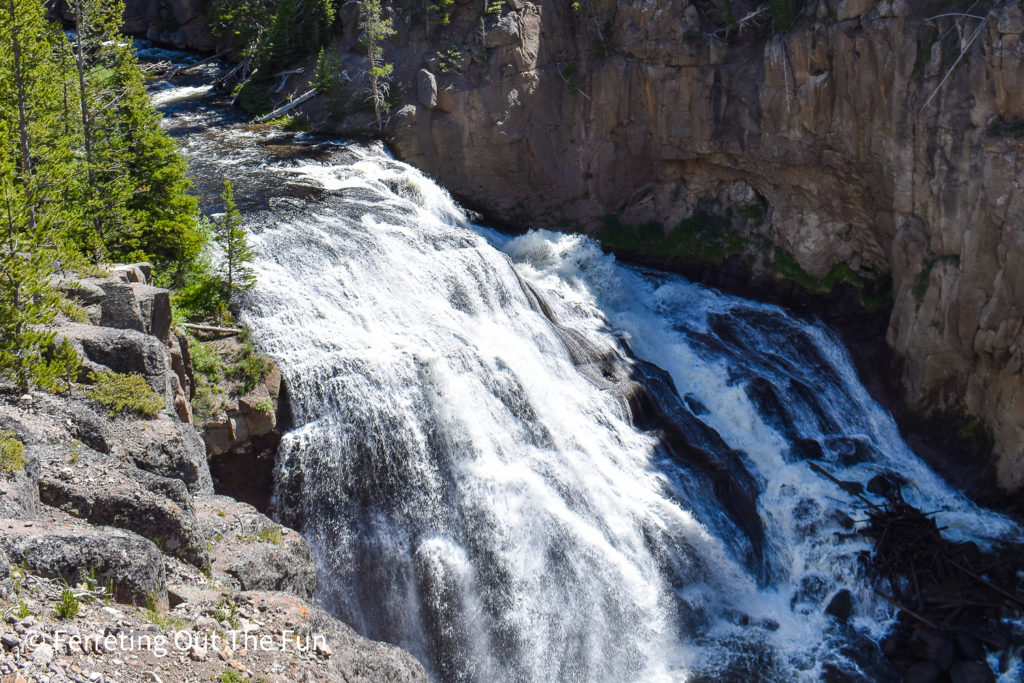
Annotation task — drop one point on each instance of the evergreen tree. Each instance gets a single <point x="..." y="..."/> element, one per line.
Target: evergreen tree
<point x="237" y="270"/>
<point x="35" y="167"/>
<point x="329" y="79"/>
<point x="376" y="29"/>
<point x="137" y="188"/>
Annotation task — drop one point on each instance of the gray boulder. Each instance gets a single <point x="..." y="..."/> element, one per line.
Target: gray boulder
<point x="86" y="291"/>
<point x="251" y="549"/>
<point x="505" y="32"/>
<point x="19" y="496"/>
<point x="171" y="449"/>
<point x="96" y="490"/>
<point x="124" y="350"/>
<point x="154" y="306"/>
<point x="119" y="309"/>
<point x="426" y="88"/>
<point x="132" y="563"/>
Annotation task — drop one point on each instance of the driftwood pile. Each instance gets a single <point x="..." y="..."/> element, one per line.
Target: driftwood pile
<point x="956" y="601"/>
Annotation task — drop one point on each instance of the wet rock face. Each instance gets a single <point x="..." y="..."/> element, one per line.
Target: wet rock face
<point x="840" y="124"/>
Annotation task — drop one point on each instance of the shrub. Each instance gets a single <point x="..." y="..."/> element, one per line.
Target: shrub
<point x="206" y="361"/>
<point x="229" y="676"/>
<point x="249" y="369"/>
<point x="67" y="606"/>
<point x="120" y="393"/>
<point x="12" y="452"/>
<point x="265" y="406"/>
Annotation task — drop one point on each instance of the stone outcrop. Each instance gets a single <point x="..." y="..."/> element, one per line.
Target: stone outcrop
<point x="129" y="330"/>
<point x="123" y="507"/>
<point x="252" y="552"/>
<point x="132" y="563"/>
<point x="242" y="440"/>
<point x="180" y="23"/>
<point x="859" y="145"/>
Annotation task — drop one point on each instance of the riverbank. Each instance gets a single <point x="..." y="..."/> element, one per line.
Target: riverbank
<point x="119" y="561"/>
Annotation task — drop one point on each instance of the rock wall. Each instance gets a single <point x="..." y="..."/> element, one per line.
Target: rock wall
<point x="858" y="146"/>
<point x="181" y="23"/>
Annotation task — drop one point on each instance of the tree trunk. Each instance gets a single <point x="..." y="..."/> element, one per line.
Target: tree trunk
<point x="83" y="98"/>
<point x="19" y="79"/>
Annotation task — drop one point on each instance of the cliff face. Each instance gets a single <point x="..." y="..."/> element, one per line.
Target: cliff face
<point x="878" y="150"/>
<point x="870" y="143"/>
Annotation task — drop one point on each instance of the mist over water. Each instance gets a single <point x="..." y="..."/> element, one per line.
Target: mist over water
<point x="522" y="460"/>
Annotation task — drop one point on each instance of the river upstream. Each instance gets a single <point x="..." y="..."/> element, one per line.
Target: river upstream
<point x="522" y="460"/>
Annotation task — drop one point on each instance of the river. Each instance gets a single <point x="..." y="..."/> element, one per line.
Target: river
<point x="523" y="460"/>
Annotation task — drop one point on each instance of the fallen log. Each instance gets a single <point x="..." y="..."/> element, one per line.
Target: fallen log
<point x="203" y="62"/>
<point x="288" y="107"/>
<point x="213" y="329"/>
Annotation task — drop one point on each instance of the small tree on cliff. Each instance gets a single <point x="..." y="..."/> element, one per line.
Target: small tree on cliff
<point x="230" y="235"/>
<point x="376" y="28"/>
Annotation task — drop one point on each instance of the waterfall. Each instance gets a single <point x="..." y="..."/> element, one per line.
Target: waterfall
<point x="522" y="460"/>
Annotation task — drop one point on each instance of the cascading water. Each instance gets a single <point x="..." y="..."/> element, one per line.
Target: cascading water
<point x="522" y="460"/>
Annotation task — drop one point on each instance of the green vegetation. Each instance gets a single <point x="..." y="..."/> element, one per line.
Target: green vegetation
<point x="707" y="237"/>
<point x="265" y="406"/>
<point x="248" y="368"/>
<point x="12" y="452"/>
<point x="222" y="369"/>
<point x="210" y="291"/>
<point x="437" y="12"/>
<point x="271" y="534"/>
<point x="67" y="606"/>
<point x="238" y="24"/>
<point x="449" y="59"/>
<point x="236" y="272"/>
<point x="229" y="676"/>
<point x="1013" y="129"/>
<point x="277" y="41"/>
<point x="785" y="13"/>
<point x="121" y="393"/>
<point x="86" y="174"/>
<point x="329" y="80"/>
<point x="230" y="615"/>
<point x="23" y="612"/>
<point x="163" y="620"/>
<point x="376" y="29"/>
<point x="573" y="78"/>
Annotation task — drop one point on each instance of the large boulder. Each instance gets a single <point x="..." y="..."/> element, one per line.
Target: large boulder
<point x="171" y="449"/>
<point x="154" y="306"/>
<point x="119" y="309"/>
<point x="103" y="491"/>
<point x="251" y="550"/>
<point x="132" y="563"/>
<point x="124" y="350"/>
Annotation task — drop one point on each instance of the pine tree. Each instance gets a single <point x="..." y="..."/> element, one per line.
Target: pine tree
<point x="137" y="187"/>
<point x="237" y="269"/>
<point x="376" y="28"/>
<point x="35" y="168"/>
<point x="330" y="80"/>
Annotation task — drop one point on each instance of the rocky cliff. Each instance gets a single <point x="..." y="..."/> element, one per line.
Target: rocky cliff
<point x="872" y="144"/>
<point x="99" y="503"/>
